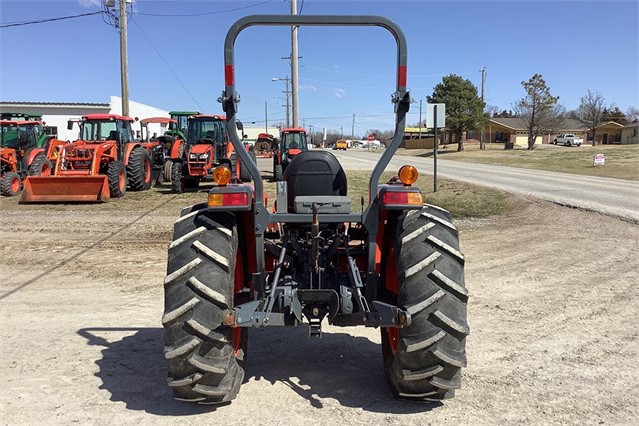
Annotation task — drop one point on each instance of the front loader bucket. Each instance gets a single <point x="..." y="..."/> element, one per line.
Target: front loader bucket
<point x="65" y="189"/>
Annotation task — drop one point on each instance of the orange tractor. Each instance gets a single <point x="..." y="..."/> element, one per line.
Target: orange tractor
<point x="20" y="157"/>
<point x="207" y="145"/>
<point x="100" y="165"/>
<point x="293" y="142"/>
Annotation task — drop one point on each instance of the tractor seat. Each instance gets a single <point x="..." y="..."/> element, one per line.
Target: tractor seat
<point x="316" y="177"/>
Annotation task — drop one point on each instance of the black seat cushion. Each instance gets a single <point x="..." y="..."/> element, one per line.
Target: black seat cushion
<point x="314" y="173"/>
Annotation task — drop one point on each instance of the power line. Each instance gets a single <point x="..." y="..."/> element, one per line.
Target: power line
<point x="382" y="75"/>
<point x="215" y="12"/>
<point x="167" y="64"/>
<point x="42" y="21"/>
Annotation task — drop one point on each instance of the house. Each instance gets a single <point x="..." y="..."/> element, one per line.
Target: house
<point x="513" y="130"/>
<point x="630" y="133"/>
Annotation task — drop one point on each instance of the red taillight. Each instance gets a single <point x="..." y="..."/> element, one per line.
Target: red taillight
<point x="401" y="198"/>
<point x="229" y="199"/>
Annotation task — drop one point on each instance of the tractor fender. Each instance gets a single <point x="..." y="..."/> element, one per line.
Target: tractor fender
<point x="32" y="154"/>
<point x="127" y="151"/>
<point x="176" y="150"/>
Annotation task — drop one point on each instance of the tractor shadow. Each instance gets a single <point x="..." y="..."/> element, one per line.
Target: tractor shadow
<point x="133" y="370"/>
<point x="338" y="366"/>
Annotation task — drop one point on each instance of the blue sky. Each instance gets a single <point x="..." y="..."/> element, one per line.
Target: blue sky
<point x="575" y="45"/>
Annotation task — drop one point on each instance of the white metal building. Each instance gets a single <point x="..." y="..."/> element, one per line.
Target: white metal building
<point x="56" y="114"/>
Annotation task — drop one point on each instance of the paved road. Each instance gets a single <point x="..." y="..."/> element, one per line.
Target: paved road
<point x="614" y="197"/>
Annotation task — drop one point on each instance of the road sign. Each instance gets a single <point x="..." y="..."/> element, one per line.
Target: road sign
<point x="371" y="137"/>
<point x="599" y="160"/>
<point x="430" y="115"/>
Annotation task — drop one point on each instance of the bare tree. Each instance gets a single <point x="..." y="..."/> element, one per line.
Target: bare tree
<point x="632" y="114"/>
<point x="592" y="112"/>
<point x="538" y="110"/>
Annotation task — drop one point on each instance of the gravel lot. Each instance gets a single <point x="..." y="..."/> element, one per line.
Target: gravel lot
<point x="553" y="315"/>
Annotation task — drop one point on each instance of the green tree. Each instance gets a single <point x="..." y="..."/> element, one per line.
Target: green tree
<point x="538" y="110"/>
<point x="464" y="107"/>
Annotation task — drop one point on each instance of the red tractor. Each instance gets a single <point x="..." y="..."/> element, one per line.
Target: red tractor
<point x="20" y="157"/>
<point x="263" y="146"/>
<point x="292" y="142"/>
<point x="235" y="264"/>
<point x="207" y="145"/>
<point x="100" y="165"/>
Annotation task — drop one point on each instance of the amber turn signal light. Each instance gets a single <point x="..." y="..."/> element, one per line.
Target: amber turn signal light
<point x="408" y="175"/>
<point x="222" y="175"/>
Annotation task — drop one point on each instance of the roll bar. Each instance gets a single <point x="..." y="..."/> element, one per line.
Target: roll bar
<point x="230" y="98"/>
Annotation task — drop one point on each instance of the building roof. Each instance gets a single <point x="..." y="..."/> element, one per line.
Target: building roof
<point x="569" y="124"/>
<point x="631" y="125"/>
<point x="55" y="104"/>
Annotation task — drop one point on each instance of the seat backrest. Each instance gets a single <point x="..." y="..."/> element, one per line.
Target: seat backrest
<point x="314" y="173"/>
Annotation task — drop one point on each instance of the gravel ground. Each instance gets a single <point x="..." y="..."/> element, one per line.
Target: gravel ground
<point x="553" y="316"/>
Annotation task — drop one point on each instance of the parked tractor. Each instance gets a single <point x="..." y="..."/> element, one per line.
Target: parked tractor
<point x="292" y="142"/>
<point x="100" y="165"/>
<point x="236" y="264"/>
<point x="206" y="146"/>
<point x="20" y="156"/>
<point x="31" y="120"/>
<point x="263" y="146"/>
<point x="162" y="152"/>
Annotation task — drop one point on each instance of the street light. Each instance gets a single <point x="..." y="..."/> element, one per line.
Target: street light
<point x="413" y="101"/>
<point x="287" y="92"/>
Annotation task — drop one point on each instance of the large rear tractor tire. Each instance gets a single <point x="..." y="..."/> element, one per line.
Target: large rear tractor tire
<point x="10" y="184"/>
<point x="177" y="177"/>
<point x="278" y="174"/>
<point x="40" y="166"/>
<point x="116" y="174"/>
<point x="205" y="358"/>
<point x="139" y="169"/>
<point x="423" y="361"/>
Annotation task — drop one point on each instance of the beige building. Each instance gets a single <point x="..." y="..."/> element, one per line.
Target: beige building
<point x="630" y="133"/>
<point x="513" y="130"/>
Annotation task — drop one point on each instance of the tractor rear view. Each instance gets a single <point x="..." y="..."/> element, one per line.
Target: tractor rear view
<point x="207" y="145"/>
<point x="98" y="166"/>
<point x="20" y="156"/>
<point x="235" y="264"/>
<point x="293" y="141"/>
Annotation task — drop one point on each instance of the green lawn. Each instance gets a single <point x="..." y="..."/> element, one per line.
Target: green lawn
<point x="622" y="161"/>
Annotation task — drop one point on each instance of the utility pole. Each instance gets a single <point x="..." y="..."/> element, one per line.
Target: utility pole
<point x="124" y="62"/>
<point x="287" y="93"/>
<point x="420" y="120"/>
<point x="482" y="143"/>
<point x="353" y="128"/>
<point x="294" y="64"/>
<point x="265" y="116"/>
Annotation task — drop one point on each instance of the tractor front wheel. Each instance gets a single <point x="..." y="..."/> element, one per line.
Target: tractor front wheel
<point x="167" y="170"/>
<point x="278" y="174"/>
<point x="139" y="169"/>
<point x="425" y="270"/>
<point x="40" y="166"/>
<point x="177" y="178"/>
<point x="205" y="358"/>
<point x="10" y="184"/>
<point x="116" y="174"/>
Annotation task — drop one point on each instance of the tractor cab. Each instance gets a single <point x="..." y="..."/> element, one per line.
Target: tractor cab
<point x="18" y="135"/>
<point x="99" y="128"/>
<point x="42" y="132"/>
<point x="293" y="142"/>
<point x="210" y="130"/>
<point x="178" y="127"/>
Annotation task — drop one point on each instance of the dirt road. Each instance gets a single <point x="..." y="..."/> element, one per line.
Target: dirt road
<point x="553" y="314"/>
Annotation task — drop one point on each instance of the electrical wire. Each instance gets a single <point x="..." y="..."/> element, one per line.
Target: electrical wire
<point x="382" y="75"/>
<point x="42" y="21"/>
<point x="167" y="64"/>
<point x="215" y="12"/>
